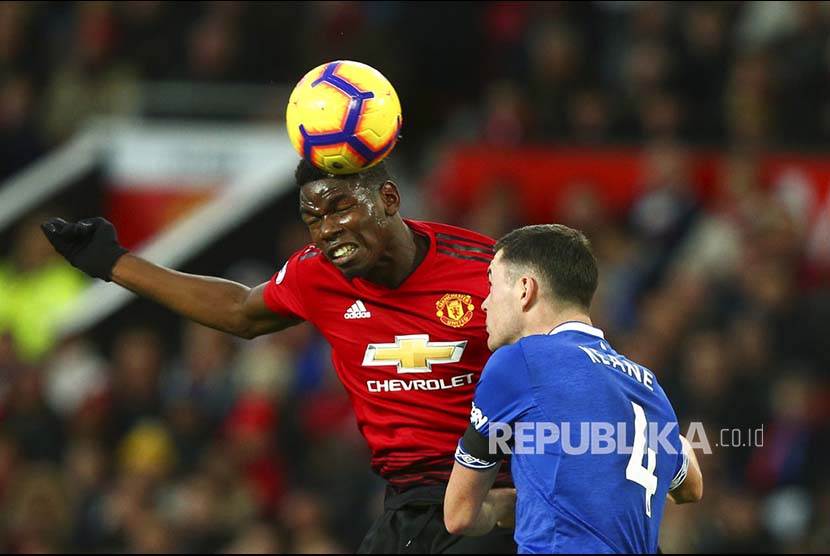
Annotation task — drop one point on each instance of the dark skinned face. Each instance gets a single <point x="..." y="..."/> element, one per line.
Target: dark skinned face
<point x="349" y="223"/>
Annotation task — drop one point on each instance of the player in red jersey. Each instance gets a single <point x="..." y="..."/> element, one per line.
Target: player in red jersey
<point x="400" y="303"/>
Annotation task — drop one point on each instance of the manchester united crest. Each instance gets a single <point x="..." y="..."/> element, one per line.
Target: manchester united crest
<point x="455" y="309"/>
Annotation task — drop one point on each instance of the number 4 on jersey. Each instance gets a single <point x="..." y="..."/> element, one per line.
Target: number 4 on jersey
<point x="643" y="476"/>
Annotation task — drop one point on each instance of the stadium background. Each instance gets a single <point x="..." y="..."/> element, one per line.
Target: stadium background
<point x="689" y="140"/>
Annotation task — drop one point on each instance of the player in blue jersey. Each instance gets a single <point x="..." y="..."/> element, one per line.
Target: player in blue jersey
<point x="594" y="440"/>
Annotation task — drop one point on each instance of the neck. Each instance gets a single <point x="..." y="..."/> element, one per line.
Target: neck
<point x="404" y="253"/>
<point x="546" y="320"/>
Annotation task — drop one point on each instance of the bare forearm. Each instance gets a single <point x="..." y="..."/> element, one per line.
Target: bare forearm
<point x="499" y="508"/>
<point x="214" y="302"/>
<point x="484" y="521"/>
<point x="471" y="507"/>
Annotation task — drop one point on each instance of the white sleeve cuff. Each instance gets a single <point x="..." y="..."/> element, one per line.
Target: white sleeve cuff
<point x="681" y="475"/>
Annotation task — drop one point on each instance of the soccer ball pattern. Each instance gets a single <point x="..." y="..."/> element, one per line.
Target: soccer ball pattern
<point x="343" y="117"/>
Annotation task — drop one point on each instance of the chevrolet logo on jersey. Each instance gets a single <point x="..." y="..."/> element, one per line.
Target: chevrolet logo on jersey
<point x="413" y="353"/>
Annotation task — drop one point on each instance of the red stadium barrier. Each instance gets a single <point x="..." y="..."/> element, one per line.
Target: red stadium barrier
<point x="543" y="176"/>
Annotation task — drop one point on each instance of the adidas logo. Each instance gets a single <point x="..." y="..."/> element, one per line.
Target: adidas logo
<point x="357" y="311"/>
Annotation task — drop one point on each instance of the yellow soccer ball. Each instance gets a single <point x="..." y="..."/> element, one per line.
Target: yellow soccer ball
<point x="343" y="117"/>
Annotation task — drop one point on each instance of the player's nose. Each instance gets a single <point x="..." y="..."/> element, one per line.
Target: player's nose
<point x="330" y="227"/>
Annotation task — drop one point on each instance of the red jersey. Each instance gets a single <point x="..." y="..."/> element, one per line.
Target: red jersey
<point x="409" y="357"/>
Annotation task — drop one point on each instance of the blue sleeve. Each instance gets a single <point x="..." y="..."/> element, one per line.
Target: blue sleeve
<point x="503" y="392"/>
<point x="681" y="461"/>
<point x="681" y="466"/>
<point x="503" y="395"/>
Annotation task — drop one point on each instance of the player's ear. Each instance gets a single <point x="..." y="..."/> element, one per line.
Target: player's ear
<point x="529" y="289"/>
<point x="391" y="197"/>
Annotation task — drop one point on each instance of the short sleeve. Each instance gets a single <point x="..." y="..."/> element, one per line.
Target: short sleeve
<point x="681" y="467"/>
<point x="503" y="392"/>
<point x="283" y="293"/>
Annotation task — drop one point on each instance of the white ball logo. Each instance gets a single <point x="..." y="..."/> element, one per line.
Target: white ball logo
<point x="281" y="276"/>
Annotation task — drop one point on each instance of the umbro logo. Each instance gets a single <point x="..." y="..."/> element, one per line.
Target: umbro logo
<point x="357" y="311"/>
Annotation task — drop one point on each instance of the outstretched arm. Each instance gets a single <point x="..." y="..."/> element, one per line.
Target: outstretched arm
<point x="214" y="302"/>
<point x="92" y="246"/>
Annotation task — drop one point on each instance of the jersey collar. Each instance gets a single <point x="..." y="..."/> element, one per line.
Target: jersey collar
<point x="415" y="278"/>
<point x="577" y="327"/>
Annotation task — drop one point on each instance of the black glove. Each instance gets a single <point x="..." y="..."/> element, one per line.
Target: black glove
<point x="90" y="245"/>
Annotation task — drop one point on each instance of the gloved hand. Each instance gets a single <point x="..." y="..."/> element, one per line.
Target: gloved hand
<point x="90" y="245"/>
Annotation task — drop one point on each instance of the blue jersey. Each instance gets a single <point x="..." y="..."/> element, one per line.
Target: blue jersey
<point x="594" y="440"/>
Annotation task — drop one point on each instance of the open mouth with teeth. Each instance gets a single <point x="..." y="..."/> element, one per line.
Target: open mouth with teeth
<point x="343" y="253"/>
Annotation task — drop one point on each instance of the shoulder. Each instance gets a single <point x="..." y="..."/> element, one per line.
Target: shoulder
<point x="562" y="342"/>
<point x="505" y="376"/>
<point x="459" y="243"/>
<point x="505" y="362"/>
<point x="309" y="253"/>
<point x="308" y="263"/>
<point x="308" y="257"/>
<point x="532" y="357"/>
<point x="445" y="232"/>
<point x="541" y="351"/>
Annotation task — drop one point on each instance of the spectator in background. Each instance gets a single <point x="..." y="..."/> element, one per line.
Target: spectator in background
<point x="29" y="420"/>
<point x="555" y="60"/>
<point x="704" y="57"/>
<point x="36" y="292"/>
<point x="667" y="205"/>
<point x="148" y="33"/>
<point x="589" y="117"/>
<point x="198" y="390"/>
<point x="645" y="70"/>
<point x="803" y="93"/>
<point x="38" y="514"/>
<point x="213" y="49"/>
<point x="505" y="119"/>
<point x="748" y="99"/>
<point x="92" y="81"/>
<point x="138" y="359"/>
<point x="20" y="143"/>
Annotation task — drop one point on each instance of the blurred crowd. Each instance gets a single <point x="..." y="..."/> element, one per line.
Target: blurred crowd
<point x="220" y="445"/>
<point x="502" y="72"/>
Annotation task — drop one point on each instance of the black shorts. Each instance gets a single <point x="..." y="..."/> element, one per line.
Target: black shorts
<point x="413" y="522"/>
